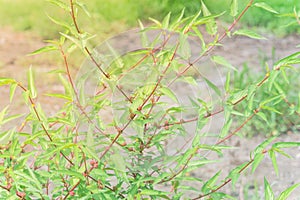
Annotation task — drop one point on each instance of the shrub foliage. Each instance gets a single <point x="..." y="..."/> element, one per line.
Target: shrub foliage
<point x="85" y="152"/>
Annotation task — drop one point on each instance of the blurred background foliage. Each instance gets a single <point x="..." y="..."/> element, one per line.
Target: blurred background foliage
<point x="112" y="16"/>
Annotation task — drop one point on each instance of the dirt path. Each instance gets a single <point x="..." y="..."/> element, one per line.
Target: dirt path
<point x="14" y="63"/>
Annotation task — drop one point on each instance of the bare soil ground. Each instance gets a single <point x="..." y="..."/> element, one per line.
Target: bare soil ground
<point x="14" y="63"/>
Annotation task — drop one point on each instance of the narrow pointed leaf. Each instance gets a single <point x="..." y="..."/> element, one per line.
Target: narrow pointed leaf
<point x="31" y="85"/>
<point x="274" y="161"/>
<point x="43" y="50"/>
<point x="213" y="86"/>
<point x="169" y="93"/>
<point x="269" y="195"/>
<point x="249" y="34"/>
<point x="266" y="7"/>
<point x="222" y="61"/>
<point x="234" y="8"/>
<point x="286" y="193"/>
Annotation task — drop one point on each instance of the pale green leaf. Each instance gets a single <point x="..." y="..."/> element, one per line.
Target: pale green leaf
<point x="213" y="87"/>
<point x="286" y="144"/>
<point x="288" y="61"/>
<point x="260" y="148"/>
<point x="262" y="116"/>
<point x="166" y="21"/>
<point x="269" y="195"/>
<point x="210" y="184"/>
<point x="274" y="161"/>
<point x="43" y="50"/>
<point x="71" y="173"/>
<point x="31" y="85"/>
<point x="6" y="81"/>
<point x="211" y="26"/>
<point x="286" y="193"/>
<point x="249" y="33"/>
<point x="266" y="7"/>
<point x="61" y="96"/>
<point x="83" y="7"/>
<point x="256" y="161"/>
<point x="234" y="8"/>
<point x="227" y="83"/>
<point x="156" y="22"/>
<point x="118" y="162"/>
<point x="222" y="61"/>
<point x="12" y="90"/>
<point x="169" y="93"/>
<point x="61" y="5"/>
<point x="156" y="193"/>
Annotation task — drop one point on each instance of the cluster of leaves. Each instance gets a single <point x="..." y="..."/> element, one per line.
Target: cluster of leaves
<point x="281" y="116"/>
<point x="79" y="153"/>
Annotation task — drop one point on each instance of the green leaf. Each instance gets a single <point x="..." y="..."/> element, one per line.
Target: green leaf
<point x="200" y="36"/>
<point x="280" y="151"/>
<point x="166" y="21"/>
<point x="286" y="193"/>
<point x="238" y="96"/>
<point x="272" y="99"/>
<point x="118" y="162"/>
<point x="155" y="193"/>
<point x="272" y="109"/>
<point x="286" y="144"/>
<point x="272" y="79"/>
<point x="156" y="22"/>
<point x="266" y="7"/>
<point x="12" y="117"/>
<point x="222" y="61"/>
<point x="213" y="86"/>
<point x="196" y="140"/>
<point x="227" y="83"/>
<point x="71" y="173"/>
<point x="288" y="61"/>
<point x="234" y="8"/>
<point x="210" y="184"/>
<point x="169" y="93"/>
<point x="269" y="195"/>
<point x="249" y="33"/>
<point x="211" y="26"/>
<point x="274" y="161"/>
<point x="6" y="81"/>
<point x="235" y="173"/>
<point x="43" y="50"/>
<point x="260" y="148"/>
<point x="83" y="7"/>
<point x="144" y="37"/>
<point x="226" y="128"/>
<point x="262" y="116"/>
<point x="31" y="85"/>
<point x="12" y="90"/>
<point x="256" y="161"/>
<point x="201" y="122"/>
<point x="185" y="157"/>
<point x="6" y="136"/>
<point x="188" y="26"/>
<point x="90" y="153"/>
<point x="74" y="40"/>
<point x="184" y="49"/>
<point x="60" y="23"/>
<point x="61" y="96"/>
<point x="60" y="4"/>
<point x="2" y="114"/>
<point x="190" y="80"/>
